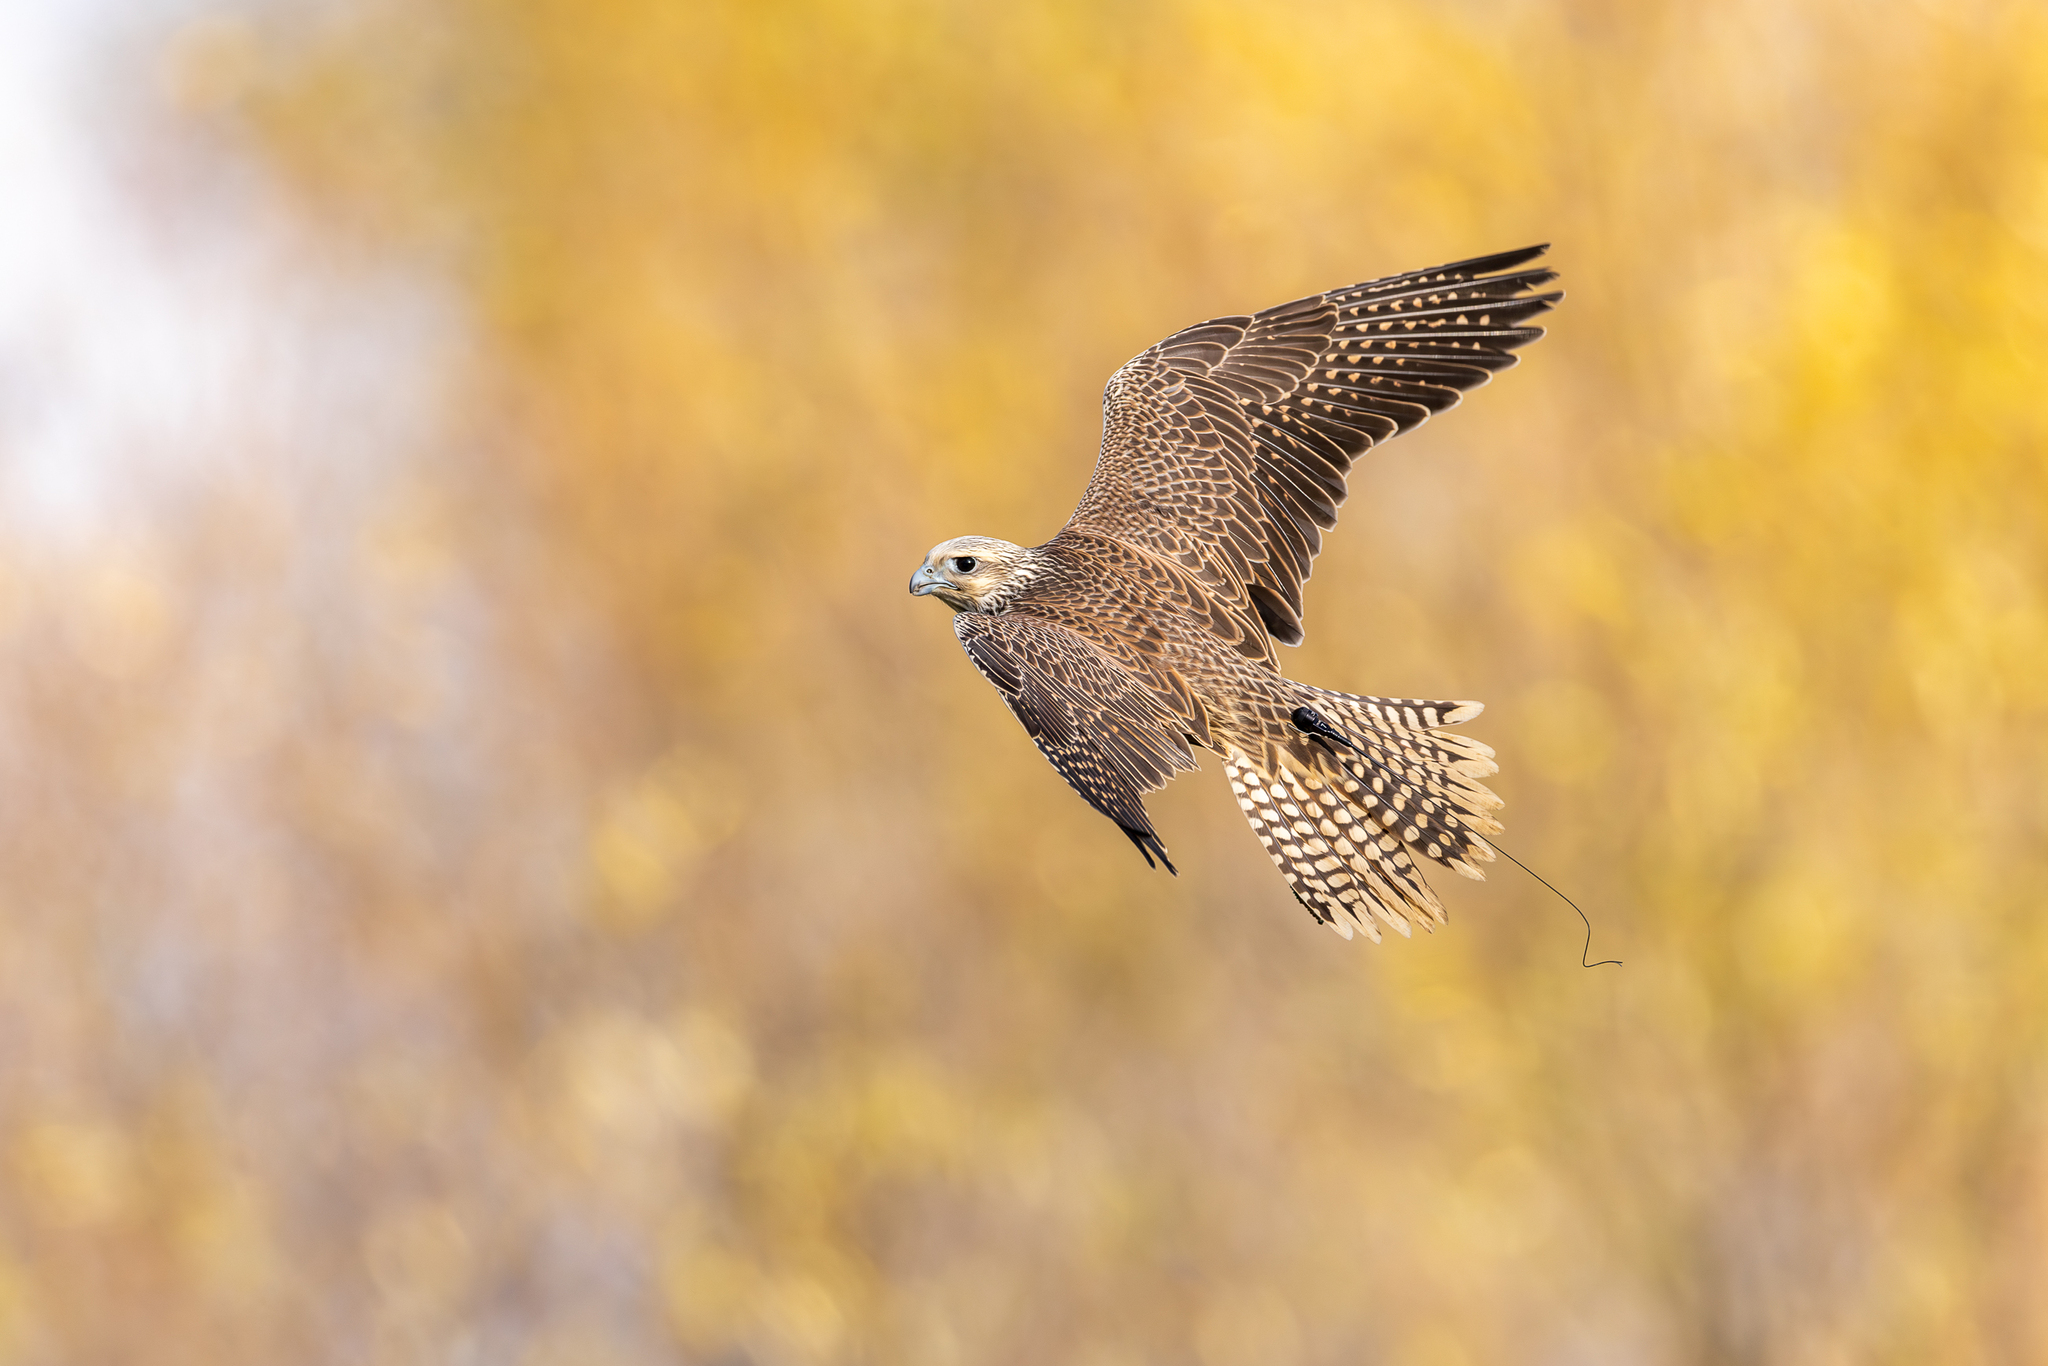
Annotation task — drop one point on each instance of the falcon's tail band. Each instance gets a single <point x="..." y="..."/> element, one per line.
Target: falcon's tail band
<point x="1386" y="784"/>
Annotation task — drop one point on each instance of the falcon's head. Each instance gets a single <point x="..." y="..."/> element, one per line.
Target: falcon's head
<point x="972" y="573"/>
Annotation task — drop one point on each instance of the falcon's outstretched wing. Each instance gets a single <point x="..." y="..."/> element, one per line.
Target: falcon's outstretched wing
<point x="1226" y="446"/>
<point x="1107" y="733"/>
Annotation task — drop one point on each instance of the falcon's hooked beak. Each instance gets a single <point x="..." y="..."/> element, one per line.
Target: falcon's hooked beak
<point x="925" y="580"/>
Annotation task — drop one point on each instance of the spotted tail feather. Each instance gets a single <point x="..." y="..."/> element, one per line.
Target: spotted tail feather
<point x="1347" y="831"/>
<point x="1337" y="861"/>
<point x="1416" y="779"/>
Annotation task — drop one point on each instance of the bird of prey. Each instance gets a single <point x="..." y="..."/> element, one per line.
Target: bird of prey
<point x="1147" y="626"/>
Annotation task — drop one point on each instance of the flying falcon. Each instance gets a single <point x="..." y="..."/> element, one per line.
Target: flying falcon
<point x="1147" y="626"/>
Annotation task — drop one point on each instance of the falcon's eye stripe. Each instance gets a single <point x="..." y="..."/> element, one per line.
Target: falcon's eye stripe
<point x="963" y="564"/>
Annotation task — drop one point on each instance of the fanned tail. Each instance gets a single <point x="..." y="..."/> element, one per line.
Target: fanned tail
<point x="1387" y="784"/>
<point x="1419" y="780"/>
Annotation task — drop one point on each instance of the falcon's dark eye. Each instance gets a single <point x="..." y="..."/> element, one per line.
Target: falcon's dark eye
<point x="963" y="564"/>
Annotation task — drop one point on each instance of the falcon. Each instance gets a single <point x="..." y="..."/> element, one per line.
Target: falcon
<point x="1147" y="627"/>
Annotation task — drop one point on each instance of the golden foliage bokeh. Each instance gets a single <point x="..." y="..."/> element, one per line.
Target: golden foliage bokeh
<point x="564" y="902"/>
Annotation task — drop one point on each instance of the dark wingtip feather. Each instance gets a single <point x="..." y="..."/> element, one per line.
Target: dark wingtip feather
<point x="1148" y="845"/>
<point x="1499" y="261"/>
<point x="1526" y="279"/>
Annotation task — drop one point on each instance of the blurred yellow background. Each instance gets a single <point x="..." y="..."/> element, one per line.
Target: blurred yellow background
<point x="525" y="884"/>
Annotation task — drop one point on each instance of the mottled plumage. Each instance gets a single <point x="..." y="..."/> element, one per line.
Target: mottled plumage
<point x="1146" y="628"/>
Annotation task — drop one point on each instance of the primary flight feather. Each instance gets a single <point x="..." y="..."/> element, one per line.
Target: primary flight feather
<point x="1146" y="628"/>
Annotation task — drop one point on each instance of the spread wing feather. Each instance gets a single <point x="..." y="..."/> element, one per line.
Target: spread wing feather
<point x="1109" y="735"/>
<point x="1227" y="446"/>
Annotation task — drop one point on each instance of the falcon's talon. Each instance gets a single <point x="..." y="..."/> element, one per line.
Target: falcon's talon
<point x="1148" y="625"/>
